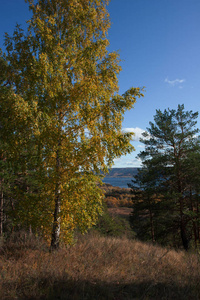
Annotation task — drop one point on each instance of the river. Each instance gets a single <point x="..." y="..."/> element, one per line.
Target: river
<point x="118" y="181"/>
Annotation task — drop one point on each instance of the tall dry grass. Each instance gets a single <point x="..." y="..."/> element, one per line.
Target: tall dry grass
<point x="97" y="268"/>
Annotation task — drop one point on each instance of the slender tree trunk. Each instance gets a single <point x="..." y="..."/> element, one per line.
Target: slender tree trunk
<point x="197" y="217"/>
<point x="185" y="241"/>
<point x="2" y="158"/>
<point x="152" y="227"/>
<point x="1" y="207"/>
<point x="193" y="219"/>
<point x="184" y="238"/>
<point x="56" y="222"/>
<point x="152" y="224"/>
<point x="12" y="204"/>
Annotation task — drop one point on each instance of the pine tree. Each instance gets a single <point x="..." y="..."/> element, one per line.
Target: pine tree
<point x="169" y="142"/>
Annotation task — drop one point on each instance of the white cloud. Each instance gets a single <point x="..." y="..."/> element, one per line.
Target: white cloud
<point x="118" y="159"/>
<point x="134" y="163"/>
<point x="137" y="132"/>
<point x="174" y="82"/>
<point x="140" y="146"/>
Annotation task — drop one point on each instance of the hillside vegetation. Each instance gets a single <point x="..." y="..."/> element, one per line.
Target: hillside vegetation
<point x="96" y="267"/>
<point x="116" y="196"/>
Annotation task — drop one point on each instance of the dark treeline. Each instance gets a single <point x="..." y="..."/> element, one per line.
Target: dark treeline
<point x="166" y="202"/>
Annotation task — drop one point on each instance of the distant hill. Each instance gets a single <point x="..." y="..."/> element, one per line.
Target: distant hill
<point x="122" y="172"/>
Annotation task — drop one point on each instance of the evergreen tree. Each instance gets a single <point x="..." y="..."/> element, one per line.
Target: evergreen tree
<point x="150" y="218"/>
<point x="169" y="142"/>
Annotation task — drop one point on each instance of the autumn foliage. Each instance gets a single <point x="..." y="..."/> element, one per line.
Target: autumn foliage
<point x="61" y="118"/>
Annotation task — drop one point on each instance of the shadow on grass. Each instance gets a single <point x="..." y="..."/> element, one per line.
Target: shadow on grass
<point x="84" y="290"/>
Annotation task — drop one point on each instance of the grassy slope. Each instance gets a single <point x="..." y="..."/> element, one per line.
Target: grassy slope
<point x="98" y="268"/>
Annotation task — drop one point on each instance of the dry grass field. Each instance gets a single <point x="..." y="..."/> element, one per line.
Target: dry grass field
<point x="97" y="267"/>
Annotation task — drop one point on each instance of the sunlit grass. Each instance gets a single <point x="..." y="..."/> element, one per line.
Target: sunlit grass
<point x="97" y="268"/>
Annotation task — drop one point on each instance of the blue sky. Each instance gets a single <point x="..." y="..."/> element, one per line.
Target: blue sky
<point x="158" y="42"/>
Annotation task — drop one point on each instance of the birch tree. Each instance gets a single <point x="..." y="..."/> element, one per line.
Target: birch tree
<point x="63" y="72"/>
